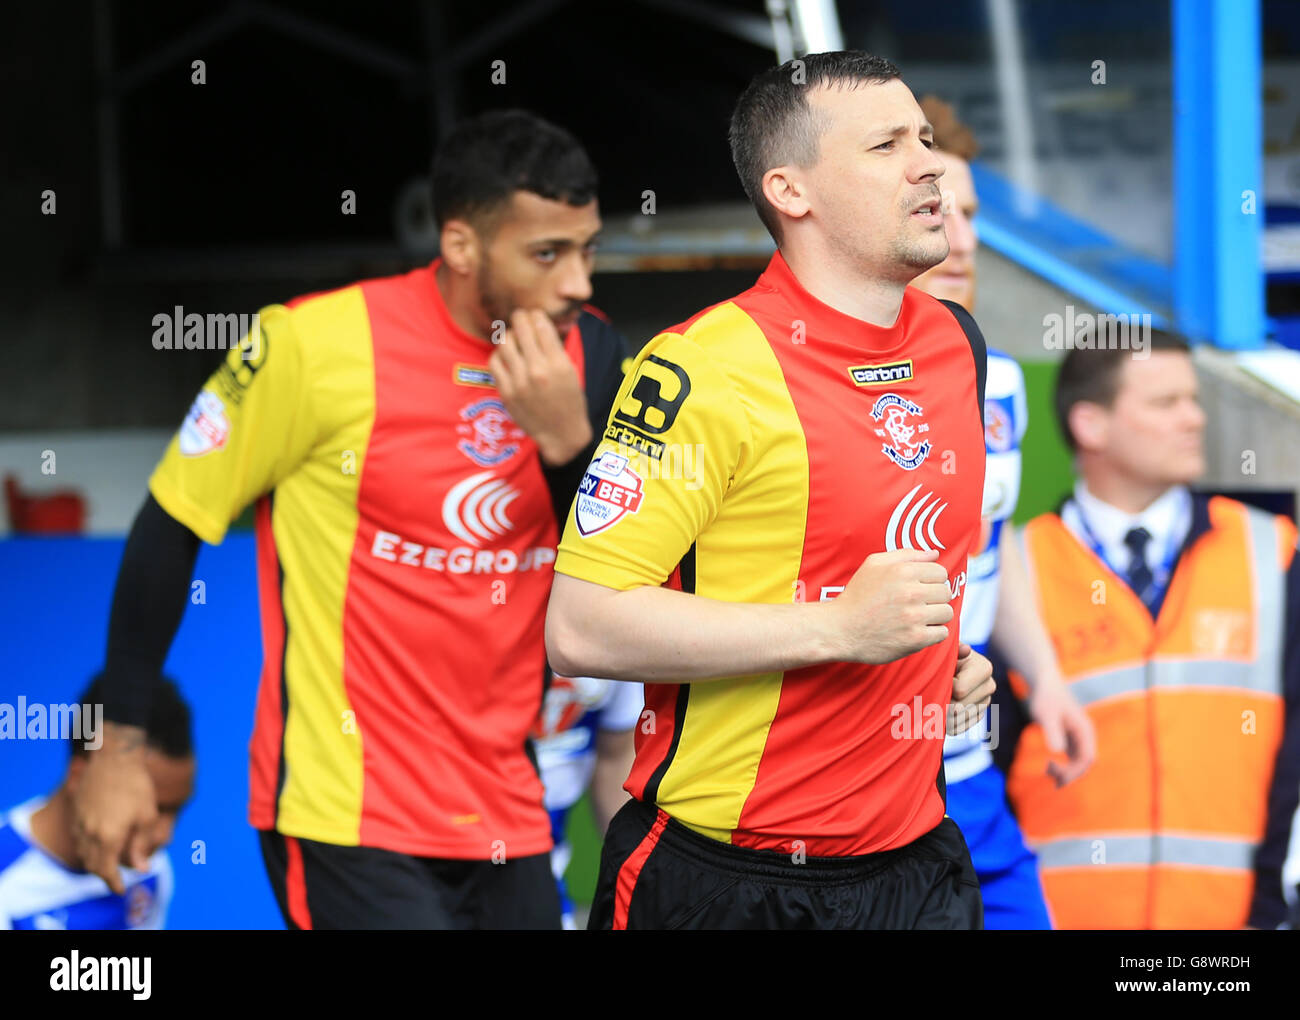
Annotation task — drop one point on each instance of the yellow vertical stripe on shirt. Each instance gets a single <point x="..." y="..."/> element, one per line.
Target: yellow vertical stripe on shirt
<point x="315" y="523"/>
<point x="750" y="552"/>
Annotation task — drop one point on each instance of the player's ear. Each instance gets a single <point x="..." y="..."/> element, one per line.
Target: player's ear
<point x="76" y="767"/>
<point x="786" y="192"/>
<point x="460" y="246"/>
<point x="1089" y="424"/>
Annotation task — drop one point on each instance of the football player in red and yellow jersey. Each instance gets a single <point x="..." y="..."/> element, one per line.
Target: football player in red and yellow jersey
<point x="406" y="442"/>
<point x="791" y="599"/>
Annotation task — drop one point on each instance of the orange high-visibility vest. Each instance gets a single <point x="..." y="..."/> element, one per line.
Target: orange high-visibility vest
<point x="1161" y="832"/>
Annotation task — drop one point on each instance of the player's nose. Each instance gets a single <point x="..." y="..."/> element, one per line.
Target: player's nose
<point x="925" y="165"/>
<point x="575" y="284"/>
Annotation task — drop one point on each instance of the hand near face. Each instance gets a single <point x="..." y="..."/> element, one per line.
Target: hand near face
<point x="540" y="387"/>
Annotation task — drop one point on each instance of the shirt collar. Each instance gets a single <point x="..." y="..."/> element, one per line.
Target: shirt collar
<point x="443" y="315"/>
<point x="830" y="323"/>
<point x="1167" y="519"/>
<point x="20" y="817"/>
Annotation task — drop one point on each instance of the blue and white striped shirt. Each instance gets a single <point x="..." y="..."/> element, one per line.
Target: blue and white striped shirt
<point x="38" y="891"/>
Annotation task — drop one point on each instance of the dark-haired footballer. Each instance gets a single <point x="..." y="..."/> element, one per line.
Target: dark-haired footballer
<point x="407" y="441"/>
<point x="44" y="883"/>
<point x="793" y="609"/>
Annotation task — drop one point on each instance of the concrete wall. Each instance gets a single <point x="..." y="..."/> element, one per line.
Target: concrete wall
<point x="1253" y="438"/>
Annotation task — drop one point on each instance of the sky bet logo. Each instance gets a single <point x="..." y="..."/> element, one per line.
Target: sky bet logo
<point x="609" y="491"/>
<point x="879" y="375"/>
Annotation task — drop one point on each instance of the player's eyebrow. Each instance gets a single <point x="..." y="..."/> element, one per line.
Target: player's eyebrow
<point x="563" y="243"/>
<point x="894" y="130"/>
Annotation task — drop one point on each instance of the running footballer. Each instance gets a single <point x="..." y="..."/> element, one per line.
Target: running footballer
<point x="794" y="616"/>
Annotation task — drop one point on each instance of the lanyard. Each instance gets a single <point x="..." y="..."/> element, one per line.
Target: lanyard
<point x="1159" y="573"/>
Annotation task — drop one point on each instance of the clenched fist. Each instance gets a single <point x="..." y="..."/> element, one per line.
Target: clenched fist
<point x="972" y="689"/>
<point x="895" y="604"/>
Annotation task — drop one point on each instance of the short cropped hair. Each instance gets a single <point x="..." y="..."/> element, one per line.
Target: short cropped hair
<point x="167" y="729"/>
<point x="487" y="158"/>
<point x="773" y="125"/>
<point x="1091" y="375"/>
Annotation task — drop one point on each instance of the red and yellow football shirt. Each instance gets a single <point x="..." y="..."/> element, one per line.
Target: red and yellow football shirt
<point x="759" y="453"/>
<point x="406" y="538"/>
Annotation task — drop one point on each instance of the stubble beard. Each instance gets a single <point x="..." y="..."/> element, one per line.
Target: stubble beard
<point x="496" y="307"/>
<point x="918" y="255"/>
<point x="903" y="261"/>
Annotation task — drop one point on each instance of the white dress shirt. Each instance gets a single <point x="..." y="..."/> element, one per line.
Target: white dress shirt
<point x="1168" y="520"/>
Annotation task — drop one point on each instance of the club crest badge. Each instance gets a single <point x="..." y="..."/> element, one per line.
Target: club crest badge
<point x="139" y="905"/>
<point x="488" y="434"/>
<point x="901" y="428"/>
<point x="999" y="434"/>
<point x="608" y="492"/>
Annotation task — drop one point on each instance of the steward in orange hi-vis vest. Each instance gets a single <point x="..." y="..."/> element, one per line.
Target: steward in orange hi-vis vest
<point x="1188" y="815"/>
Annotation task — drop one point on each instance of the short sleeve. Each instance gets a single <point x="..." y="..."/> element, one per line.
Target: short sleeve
<point x="668" y="456"/>
<point x="247" y="430"/>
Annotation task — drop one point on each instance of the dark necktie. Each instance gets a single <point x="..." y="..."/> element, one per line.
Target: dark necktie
<point x="1139" y="577"/>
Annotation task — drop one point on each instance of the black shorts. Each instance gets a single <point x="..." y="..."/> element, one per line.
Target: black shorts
<point x="320" y="885"/>
<point x="657" y="873"/>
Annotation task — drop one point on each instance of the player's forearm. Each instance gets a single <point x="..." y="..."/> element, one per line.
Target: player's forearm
<point x="565" y="442"/>
<point x="152" y="591"/>
<point x="122" y="739"/>
<point x="607" y="796"/>
<point x="613" y="763"/>
<point x="562" y="480"/>
<point x="656" y="635"/>
<point x="1018" y="630"/>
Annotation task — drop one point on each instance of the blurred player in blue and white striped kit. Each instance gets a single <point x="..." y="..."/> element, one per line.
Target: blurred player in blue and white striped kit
<point x="999" y="605"/>
<point x="584" y="738"/>
<point x="43" y="883"/>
